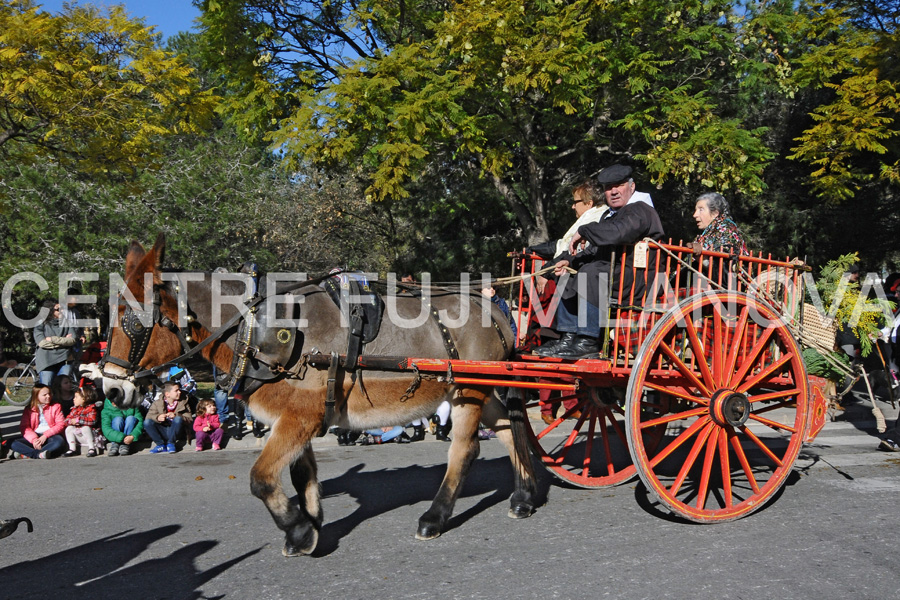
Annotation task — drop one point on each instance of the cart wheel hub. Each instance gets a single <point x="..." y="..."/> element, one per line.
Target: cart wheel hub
<point x="728" y="407"/>
<point x="606" y="397"/>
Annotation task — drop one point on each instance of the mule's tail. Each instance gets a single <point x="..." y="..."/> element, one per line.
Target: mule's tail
<point x="523" y="501"/>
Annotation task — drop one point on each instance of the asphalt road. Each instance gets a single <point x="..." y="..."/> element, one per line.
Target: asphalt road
<point x="185" y="526"/>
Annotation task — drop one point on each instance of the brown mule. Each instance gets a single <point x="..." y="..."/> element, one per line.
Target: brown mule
<point x="294" y="405"/>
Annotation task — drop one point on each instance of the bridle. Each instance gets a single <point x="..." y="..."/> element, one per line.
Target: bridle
<point x="139" y="335"/>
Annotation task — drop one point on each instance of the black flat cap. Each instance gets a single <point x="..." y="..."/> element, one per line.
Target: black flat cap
<point x="614" y="174"/>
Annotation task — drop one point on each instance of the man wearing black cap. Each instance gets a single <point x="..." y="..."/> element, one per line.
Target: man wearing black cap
<point x="626" y="223"/>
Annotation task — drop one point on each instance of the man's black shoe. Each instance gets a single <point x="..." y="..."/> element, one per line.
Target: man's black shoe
<point x="582" y="346"/>
<point x="550" y="348"/>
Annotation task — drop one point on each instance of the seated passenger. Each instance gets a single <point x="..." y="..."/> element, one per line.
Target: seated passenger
<point x="720" y="233"/>
<point x="587" y="202"/>
<point x="628" y="220"/>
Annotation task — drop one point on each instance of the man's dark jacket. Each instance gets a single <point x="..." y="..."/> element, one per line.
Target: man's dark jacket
<point x="616" y="233"/>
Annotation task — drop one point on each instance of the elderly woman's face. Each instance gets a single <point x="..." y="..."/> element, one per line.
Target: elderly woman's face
<point x="703" y="215"/>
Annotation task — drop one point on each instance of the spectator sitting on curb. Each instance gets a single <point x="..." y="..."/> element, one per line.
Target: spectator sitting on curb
<point x="121" y="427"/>
<point x="167" y="416"/>
<point x="41" y="426"/>
<point x="81" y="420"/>
<point x="385" y="435"/>
<point x="207" y="426"/>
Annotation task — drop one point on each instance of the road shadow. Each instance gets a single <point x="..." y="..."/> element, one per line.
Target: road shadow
<point x="384" y="490"/>
<point x="97" y="570"/>
<point x="651" y="504"/>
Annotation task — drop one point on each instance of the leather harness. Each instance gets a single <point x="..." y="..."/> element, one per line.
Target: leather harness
<point x="135" y="328"/>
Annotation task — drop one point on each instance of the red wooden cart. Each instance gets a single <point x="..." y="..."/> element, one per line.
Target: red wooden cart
<point x="700" y="389"/>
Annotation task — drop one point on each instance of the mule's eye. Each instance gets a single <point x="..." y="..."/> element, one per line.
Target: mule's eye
<point x="138" y="326"/>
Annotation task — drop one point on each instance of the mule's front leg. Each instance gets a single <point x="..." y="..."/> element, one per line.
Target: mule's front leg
<point x="300" y="528"/>
<point x="464" y="448"/>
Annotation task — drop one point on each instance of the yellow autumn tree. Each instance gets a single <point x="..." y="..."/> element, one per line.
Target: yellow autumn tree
<point x="91" y="90"/>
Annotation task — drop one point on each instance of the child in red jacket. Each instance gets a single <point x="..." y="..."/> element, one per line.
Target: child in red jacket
<point x="81" y="421"/>
<point x="207" y="426"/>
<point x="41" y="425"/>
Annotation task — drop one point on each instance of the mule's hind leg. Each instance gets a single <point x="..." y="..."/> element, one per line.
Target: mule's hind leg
<point x="304" y="477"/>
<point x="286" y="443"/>
<point x="466" y="413"/>
<point x="509" y="426"/>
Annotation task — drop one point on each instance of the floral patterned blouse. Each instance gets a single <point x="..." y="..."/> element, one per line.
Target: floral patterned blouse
<point x="723" y="235"/>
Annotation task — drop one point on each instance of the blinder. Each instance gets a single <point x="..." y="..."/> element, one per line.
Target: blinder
<point x="139" y="334"/>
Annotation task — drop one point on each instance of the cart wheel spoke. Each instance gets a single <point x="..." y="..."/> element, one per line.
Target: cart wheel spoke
<point x="589" y="444"/>
<point x="699" y="354"/>
<point x="685" y="370"/>
<point x="718" y="355"/>
<point x="751" y="357"/>
<point x="692" y="457"/>
<point x="675" y="444"/>
<point x="745" y="464"/>
<point x="711" y="444"/>
<point x="725" y="463"/>
<point x="737" y="339"/>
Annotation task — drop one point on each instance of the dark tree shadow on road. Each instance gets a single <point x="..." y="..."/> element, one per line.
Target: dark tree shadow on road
<point x="97" y="570"/>
<point x="384" y="490"/>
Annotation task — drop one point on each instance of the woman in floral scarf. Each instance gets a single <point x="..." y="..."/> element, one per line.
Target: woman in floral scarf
<point x="720" y="233"/>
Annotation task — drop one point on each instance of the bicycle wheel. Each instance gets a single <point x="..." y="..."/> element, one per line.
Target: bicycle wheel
<point x="19" y="382"/>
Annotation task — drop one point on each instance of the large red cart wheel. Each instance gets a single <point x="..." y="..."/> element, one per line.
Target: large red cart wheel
<point x="589" y="450"/>
<point x="742" y="411"/>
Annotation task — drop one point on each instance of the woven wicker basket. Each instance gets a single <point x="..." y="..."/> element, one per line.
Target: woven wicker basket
<point x="816" y="329"/>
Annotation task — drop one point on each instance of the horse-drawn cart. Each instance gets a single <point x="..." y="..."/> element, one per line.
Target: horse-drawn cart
<point x="700" y="388"/>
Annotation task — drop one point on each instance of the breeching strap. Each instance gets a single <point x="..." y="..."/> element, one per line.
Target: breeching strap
<point x="329" y="396"/>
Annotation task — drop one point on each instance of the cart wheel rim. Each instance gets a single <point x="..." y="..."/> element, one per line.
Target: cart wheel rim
<point x="743" y="409"/>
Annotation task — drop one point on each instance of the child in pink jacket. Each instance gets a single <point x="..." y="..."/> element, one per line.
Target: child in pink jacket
<point x="42" y="425"/>
<point x="207" y="426"/>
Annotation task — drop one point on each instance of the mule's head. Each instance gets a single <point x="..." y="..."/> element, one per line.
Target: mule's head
<point x="137" y="339"/>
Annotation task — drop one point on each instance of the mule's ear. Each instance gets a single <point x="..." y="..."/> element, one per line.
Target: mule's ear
<point x="159" y="248"/>
<point x="135" y="254"/>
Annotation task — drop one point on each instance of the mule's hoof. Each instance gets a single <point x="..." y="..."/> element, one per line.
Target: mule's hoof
<point x="520" y="510"/>
<point x="290" y="550"/>
<point x="302" y="546"/>
<point x="428" y="532"/>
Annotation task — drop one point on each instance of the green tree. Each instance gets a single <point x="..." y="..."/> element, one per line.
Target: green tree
<point x="532" y="96"/>
<point x="852" y="55"/>
<point x="92" y="91"/>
